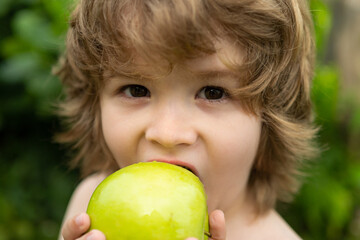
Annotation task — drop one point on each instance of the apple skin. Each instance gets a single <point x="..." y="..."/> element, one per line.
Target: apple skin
<point x="150" y="201"/>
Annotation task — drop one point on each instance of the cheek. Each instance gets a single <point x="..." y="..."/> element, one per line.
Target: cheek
<point x="239" y="141"/>
<point x="118" y="135"/>
<point x="235" y="158"/>
<point x="111" y="136"/>
<point x="233" y="154"/>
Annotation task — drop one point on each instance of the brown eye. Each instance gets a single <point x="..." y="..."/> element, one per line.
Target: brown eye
<point x="136" y="91"/>
<point x="212" y="93"/>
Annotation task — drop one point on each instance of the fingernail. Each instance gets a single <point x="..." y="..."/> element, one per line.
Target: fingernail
<point x="218" y="214"/>
<point x="79" y="220"/>
<point x="90" y="236"/>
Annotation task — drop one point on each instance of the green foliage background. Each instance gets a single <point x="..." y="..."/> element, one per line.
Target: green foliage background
<point x="35" y="184"/>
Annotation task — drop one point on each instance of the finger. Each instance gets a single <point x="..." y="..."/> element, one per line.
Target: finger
<point x="93" y="235"/>
<point x="192" y="238"/>
<point x="76" y="226"/>
<point x="217" y="225"/>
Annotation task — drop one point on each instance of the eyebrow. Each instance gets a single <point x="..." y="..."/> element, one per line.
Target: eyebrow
<point x="203" y="75"/>
<point x="216" y="74"/>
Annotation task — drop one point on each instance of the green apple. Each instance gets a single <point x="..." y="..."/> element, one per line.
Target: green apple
<point x="150" y="201"/>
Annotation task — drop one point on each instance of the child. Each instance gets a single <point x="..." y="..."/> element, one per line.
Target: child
<point x="219" y="86"/>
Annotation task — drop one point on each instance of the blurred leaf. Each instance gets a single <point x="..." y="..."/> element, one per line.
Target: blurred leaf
<point x="340" y="206"/>
<point x="355" y="121"/>
<point x="328" y="206"/>
<point x="19" y="67"/>
<point x="4" y="233"/>
<point x="33" y="27"/>
<point x="59" y="11"/>
<point x="24" y="230"/>
<point x="322" y="22"/>
<point x="325" y="93"/>
<point x="6" y="209"/>
<point x="354" y="176"/>
<point x="45" y="88"/>
<point x="4" y="7"/>
<point x="28" y="2"/>
<point x="12" y="46"/>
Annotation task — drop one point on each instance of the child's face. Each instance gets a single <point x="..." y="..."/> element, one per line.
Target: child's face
<point x="185" y="118"/>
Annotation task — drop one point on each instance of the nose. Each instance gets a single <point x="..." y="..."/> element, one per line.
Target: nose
<point x="171" y="126"/>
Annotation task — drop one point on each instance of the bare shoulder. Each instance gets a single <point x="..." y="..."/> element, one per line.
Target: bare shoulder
<point x="82" y="194"/>
<point x="265" y="227"/>
<point x="275" y="227"/>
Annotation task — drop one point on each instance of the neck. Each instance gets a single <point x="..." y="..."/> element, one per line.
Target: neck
<point x="242" y="208"/>
<point x="241" y="216"/>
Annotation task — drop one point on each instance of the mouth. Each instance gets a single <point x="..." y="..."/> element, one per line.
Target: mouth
<point x="186" y="168"/>
<point x="184" y="165"/>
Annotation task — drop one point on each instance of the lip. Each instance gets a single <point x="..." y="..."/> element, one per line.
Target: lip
<point x="178" y="163"/>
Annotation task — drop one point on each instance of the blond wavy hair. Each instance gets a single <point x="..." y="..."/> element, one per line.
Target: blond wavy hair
<point x="106" y="37"/>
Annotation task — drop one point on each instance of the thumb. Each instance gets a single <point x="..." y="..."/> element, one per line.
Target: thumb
<point x="217" y="225"/>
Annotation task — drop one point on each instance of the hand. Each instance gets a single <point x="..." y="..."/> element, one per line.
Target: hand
<point x="77" y="227"/>
<point x="217" y="226"/>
